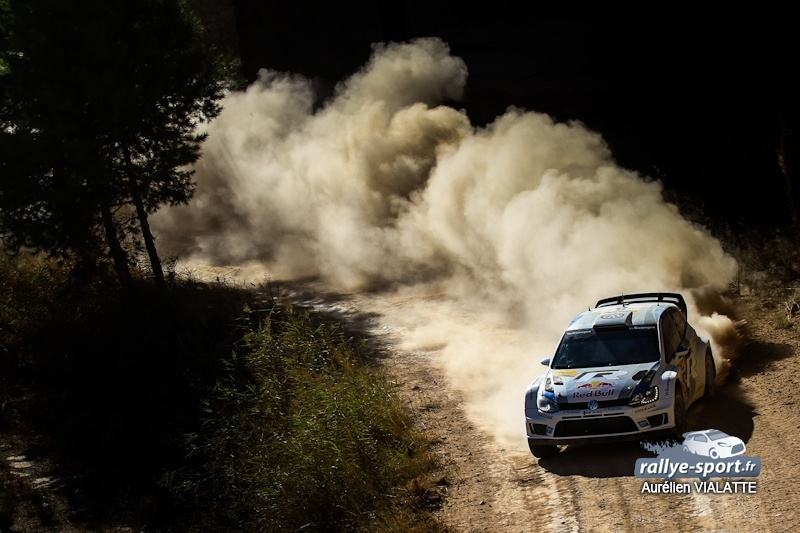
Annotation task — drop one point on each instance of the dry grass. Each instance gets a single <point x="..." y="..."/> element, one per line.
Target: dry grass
<point x="300" y="434"/>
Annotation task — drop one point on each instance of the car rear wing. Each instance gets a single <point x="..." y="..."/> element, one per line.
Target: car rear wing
<point x="669" y="297"/>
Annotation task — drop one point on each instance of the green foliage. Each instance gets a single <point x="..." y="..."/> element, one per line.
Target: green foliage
<point x="287" y="422"/>
<point x="111" y="380"/>
<point x="27" y="285"/>
<point x="300" y="433"/>
<point x="100" y="96"/>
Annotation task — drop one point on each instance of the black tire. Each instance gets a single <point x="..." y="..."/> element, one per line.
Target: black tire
<point x="679" y="412"/>
<point x="711" y="375"/>
<point x="543" y="451"/>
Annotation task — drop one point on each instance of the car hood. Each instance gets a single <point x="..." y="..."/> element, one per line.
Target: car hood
<point x="601" y="383"/>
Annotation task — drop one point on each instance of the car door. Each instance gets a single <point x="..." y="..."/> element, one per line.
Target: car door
<point x="692" y="366"/>
<point x="672" y="338"/>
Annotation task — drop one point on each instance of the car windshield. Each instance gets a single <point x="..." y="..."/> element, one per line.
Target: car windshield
<point x="716" y="435"/>
<point x="607" y="347"/>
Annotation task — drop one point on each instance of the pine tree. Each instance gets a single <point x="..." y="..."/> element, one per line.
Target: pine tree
<point x="101" y="101"/>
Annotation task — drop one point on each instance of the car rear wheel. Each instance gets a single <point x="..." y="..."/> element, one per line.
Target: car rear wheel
<point x="711" y="375"/>
<point x="542" y="451"/>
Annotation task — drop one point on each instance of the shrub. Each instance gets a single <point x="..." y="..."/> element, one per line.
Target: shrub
<point x="301" y="433"/>
<point x="288" y="423"/>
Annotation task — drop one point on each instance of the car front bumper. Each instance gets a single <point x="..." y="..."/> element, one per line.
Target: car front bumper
<point x="610" y="424"/>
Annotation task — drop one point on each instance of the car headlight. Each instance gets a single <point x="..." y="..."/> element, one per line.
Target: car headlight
<point x="546" y="405"/>
<point x="725" y="444"/>
<point x="643" y="398"/>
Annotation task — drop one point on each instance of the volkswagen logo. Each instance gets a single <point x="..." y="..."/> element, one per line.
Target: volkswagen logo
<point x="592" y="405"/>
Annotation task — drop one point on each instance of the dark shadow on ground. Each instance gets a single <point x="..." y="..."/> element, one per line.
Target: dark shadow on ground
<point x="758" y="356"/>
<point x="595" y="460"/>
<point x="727" y="411"/>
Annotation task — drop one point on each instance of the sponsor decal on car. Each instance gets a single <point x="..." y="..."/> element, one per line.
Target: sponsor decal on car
<point x="565" y="373"/>
<point x="615" y="374"/>
<point x="593" y="393"/>
<point x="595" y="385"/>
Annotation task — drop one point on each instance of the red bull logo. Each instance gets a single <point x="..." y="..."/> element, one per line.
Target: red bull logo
<point x="594" y="389"/>
<point x="593" y="393"/>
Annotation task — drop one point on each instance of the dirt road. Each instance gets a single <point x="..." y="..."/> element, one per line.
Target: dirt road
<point x="591" y="488"/>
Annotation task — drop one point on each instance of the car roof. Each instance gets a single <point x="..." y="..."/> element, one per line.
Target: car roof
<point x="631" y="314"/>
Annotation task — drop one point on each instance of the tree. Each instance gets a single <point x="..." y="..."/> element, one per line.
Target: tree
<point x="101" y="103"/>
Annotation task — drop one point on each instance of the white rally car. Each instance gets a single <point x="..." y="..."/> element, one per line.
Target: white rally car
<point x="627" y="369"/>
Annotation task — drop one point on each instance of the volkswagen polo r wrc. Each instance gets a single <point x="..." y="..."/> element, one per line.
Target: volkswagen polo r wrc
<point x="627" y="369"/>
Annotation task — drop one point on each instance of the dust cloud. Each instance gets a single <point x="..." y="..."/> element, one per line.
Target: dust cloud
<point x="478" y="244"/>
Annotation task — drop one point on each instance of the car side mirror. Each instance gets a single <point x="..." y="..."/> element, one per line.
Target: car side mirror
<point x="546" y="361"/>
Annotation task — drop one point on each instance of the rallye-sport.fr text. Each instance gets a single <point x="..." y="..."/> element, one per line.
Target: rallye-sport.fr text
<point x="670" y="469"/>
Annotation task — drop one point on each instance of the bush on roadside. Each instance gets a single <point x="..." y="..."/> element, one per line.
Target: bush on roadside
<point x="300" y="433"/>
<point x="288" y="424"/>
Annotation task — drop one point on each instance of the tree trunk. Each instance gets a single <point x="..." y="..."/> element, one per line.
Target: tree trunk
<point x="141" y="213"/>
<point x="118" y="255"/>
